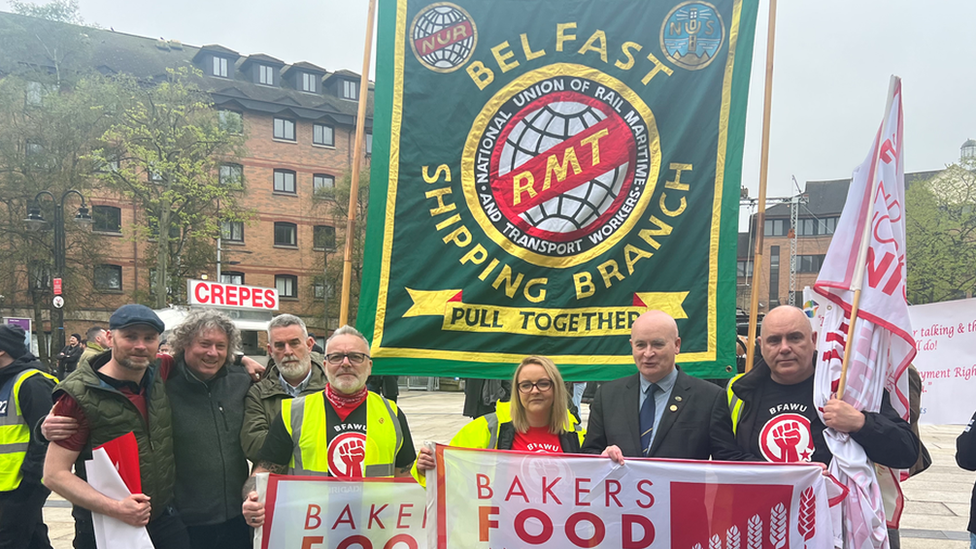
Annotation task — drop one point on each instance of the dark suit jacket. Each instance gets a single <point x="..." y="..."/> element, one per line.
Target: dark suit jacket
<point x="699" y="426"/>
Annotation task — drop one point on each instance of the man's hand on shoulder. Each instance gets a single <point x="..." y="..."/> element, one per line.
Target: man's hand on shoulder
<point x="842" y="417"/>
<point x="55" y="428"/>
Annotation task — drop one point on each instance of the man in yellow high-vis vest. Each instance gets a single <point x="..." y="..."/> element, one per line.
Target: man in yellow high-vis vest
<point x="341" y="431"/>
<point x="25" y="398"/>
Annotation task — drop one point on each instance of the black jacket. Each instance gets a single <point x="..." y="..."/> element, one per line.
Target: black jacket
<point x="569" y="441"/>
<point x="210" y="462"/>
<point x="696" y="424"/>
<point x="35" y="403"/>
<point x="966" y="458"/>
<point x="886" y="437"/>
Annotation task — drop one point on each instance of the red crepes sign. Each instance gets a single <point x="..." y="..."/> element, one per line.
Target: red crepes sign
<point x="216" y="294"/>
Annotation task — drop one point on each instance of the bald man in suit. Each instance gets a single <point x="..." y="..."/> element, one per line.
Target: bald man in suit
<point x="660" y="411"/>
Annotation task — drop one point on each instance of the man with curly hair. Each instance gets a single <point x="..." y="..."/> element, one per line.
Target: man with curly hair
<point x="206" y="387"/>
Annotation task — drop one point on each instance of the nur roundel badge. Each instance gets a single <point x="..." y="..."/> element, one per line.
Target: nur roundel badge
<point x="443" y="37"/>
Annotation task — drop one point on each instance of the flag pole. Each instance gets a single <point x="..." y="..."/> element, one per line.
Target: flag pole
<point x="757" y="260"/>
<point x="860" y="266"/>
<point x="357" y="158"/>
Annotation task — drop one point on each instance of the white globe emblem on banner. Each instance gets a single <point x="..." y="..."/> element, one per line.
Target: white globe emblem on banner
<point x="548" y="126"/>
<point x="558" y="168"/>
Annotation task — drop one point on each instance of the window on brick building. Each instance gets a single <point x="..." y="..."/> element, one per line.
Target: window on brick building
<point x="322" y="181"/>
<point x="232" y="231"/>
<point x="231" y="175"/>
<point x="323" y="237"/>
<point x="284" y="181"/>
<point x="350" y="90"/>
<point x="285" y="234"/>
<point x="231" y="277"/>
<point x="284" y="129"/>
<point x="266" y="75"/>
<point x="809" y="263"/>
<point x="287" y="285"/>
<point x="776" y="227"/>
<point x="219" y="67"/>
<point x="230" y="121"/>
<point x="309" y="82"/>
<point x="108" y="277"/>
<point x="106" y="219"/>
<point x="323" y="134"/>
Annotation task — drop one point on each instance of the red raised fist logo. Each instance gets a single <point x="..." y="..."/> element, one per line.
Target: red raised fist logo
<point x="347" y="452"/>
<point x="786" y="438"/>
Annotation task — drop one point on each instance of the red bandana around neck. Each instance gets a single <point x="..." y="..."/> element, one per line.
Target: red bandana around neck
<point x="344" y="404"/>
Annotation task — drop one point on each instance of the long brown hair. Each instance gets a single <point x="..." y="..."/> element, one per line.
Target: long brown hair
<point x="559" y="414"/>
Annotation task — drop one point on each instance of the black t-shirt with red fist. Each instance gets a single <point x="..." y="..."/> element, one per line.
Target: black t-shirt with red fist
<point x="787" y="427"/>
<point x="346" y="441"/>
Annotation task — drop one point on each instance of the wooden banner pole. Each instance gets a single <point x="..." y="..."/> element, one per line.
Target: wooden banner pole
<point x="757" y="261"/>
<point x="357" y="159"/>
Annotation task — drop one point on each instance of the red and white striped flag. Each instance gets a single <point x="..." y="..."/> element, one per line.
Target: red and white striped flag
<point x="868" y="252"/>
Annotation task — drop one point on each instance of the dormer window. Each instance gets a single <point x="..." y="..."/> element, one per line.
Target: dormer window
<point x="308" y="82"/>
<point x="350" y="90"/>
<point x="220" y="66"/>
<point x="266" y="75"/>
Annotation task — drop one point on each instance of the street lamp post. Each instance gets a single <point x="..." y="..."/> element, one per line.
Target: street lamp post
<point x="35" y="221"/>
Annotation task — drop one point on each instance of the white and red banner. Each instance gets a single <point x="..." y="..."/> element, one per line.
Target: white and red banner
<point x="488" y="499"/>
<point x="329" y="513"/>
<point x="867" y="253"/>
<point x="946" y="337"/>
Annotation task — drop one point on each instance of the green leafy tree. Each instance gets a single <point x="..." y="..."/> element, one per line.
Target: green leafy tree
<point x="336" y="203"/>
<point x="168" y="145"/>
<point x="941" y="235"/>
<point x="46" y="139"/>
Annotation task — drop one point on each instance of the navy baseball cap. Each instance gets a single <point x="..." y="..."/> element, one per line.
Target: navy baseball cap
<point x="134" y="314"/>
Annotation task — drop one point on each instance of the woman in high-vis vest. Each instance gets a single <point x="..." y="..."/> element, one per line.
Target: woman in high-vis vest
<point x="537" y="421"/>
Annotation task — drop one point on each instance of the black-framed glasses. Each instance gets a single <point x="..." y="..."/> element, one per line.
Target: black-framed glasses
<point x="354" y="358"/>
<point x="542" y="385"/>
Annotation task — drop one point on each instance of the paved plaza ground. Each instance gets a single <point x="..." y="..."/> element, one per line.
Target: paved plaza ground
<point x="936" y="514"/>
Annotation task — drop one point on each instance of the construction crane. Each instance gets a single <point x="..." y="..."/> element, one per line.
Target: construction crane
<point x="794" y="201"/>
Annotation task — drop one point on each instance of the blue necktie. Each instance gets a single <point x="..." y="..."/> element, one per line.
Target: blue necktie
<point x="647" y="419"/>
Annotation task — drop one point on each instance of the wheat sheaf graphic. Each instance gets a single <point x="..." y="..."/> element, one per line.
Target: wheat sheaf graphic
<point x="715" y="542"/>
<point x="732" y="538"/>
<point x="754" y="533"/>
<point x="777" y="526"/>
<point x="807" y="523"/>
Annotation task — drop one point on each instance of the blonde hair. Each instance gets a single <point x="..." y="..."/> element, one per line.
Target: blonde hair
<point x="559" y="414"/>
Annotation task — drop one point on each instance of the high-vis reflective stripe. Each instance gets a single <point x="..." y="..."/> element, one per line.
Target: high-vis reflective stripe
<point x="492" y="420"/>
<point x="305" y="420"/>
<point x="14" y="431"/>
<point x="735" y="403"/>
<point x="297" y="411"/>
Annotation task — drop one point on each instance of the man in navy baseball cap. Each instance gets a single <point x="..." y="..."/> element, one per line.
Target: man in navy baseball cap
<point x="120" y="391"/>
<point x="134" y="315"/>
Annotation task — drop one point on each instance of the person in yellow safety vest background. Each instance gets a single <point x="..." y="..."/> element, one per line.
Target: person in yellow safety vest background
<point x="25" y="398"/>
<point x="537" y="421"/>
<point x="373" y="441"/>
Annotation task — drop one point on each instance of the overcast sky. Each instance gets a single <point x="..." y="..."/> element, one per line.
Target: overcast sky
<point x="833" y="60"/>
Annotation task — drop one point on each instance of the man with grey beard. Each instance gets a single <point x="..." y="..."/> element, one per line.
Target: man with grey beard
<point x="296" y="372"/>
<point x="343" y="431"/>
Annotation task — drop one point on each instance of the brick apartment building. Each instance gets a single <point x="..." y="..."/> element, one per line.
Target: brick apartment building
<point x="299" y="120"/>
<point x="816" y="221"/>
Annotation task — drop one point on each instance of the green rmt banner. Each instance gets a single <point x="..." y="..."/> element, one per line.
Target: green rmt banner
<point x="543" y="172"/>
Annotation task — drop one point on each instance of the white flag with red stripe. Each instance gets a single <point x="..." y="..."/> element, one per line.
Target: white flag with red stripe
<point x="883" y="345"/>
